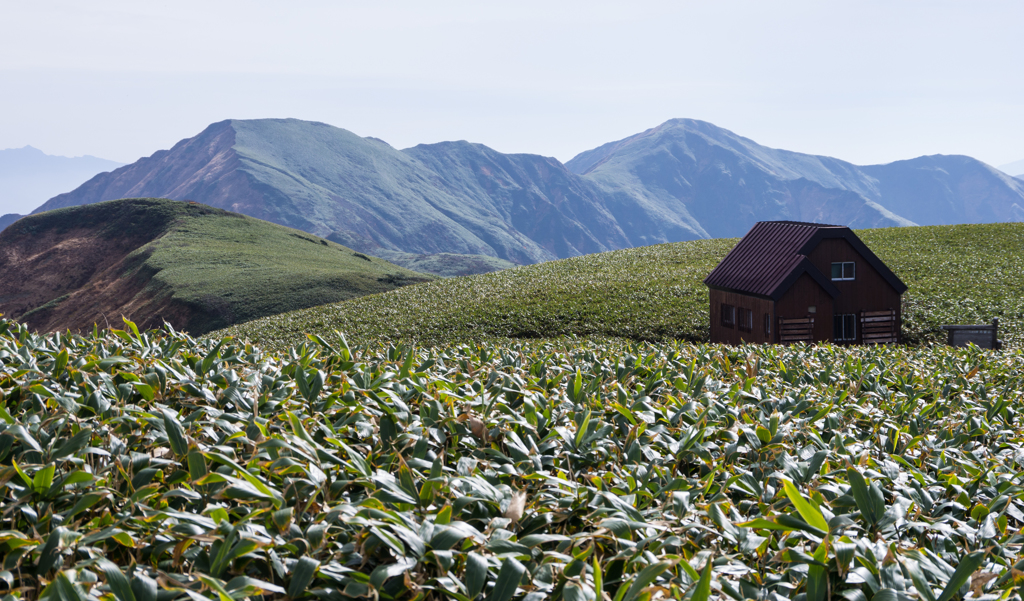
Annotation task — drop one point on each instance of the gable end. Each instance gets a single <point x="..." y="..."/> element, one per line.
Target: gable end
<point x="861" y="248"/>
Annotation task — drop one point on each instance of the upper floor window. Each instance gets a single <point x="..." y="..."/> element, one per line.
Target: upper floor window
<point x="728" y="315"/>
<point x="843" y="271"/>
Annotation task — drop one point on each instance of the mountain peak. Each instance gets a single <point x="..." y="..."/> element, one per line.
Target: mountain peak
<point x="25" y="151"/>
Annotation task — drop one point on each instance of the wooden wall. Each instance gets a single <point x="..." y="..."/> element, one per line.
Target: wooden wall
<point x="733" y="335"/>
<point x="868" y="292"/>
<point x="796" y="302"/>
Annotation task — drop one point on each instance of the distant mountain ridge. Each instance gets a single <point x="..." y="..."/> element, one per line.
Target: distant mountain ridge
<point x="28" y="176"/>
<point x="682" y="180"/>
<point x="1016" y="168"/>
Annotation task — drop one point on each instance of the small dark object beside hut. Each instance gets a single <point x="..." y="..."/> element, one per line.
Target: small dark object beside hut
<point x="789" y="281"/>
<point x="981" y="335"/>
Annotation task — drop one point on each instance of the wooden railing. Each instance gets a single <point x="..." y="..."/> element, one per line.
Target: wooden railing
<point x="800" y="329"/>
<point x="879" y="327"/>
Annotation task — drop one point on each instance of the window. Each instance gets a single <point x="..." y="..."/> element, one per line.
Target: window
<point x="767" y="324"/>
<point x="745" y="319"/>
<point x="728" y="315"/>
<point x="843" y="271"/>
<point x="844" y="327"/>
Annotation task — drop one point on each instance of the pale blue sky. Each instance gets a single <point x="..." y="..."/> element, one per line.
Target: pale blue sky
<point x="864" y="81"/>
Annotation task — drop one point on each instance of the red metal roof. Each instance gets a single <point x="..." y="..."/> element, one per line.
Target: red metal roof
<point x="773" y="254"/>
<point x="763" y="258"/>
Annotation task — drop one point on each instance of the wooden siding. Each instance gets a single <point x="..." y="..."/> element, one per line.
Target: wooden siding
<point x="806" y="293"/>
<point x="869" y="291"/>
<point x="733" y="335"/>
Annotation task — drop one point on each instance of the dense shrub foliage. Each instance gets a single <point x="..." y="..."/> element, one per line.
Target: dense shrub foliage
<point x="956" y="274"/>
<point x="151" y="466"/>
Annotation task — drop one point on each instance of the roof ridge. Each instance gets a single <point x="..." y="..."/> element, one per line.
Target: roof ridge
<point x="803" y="223"/>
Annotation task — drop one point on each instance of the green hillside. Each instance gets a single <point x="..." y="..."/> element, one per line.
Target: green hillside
<point x="259" y="268"/>
<point x="956" y="274"/>
<point x="196" y="266"/>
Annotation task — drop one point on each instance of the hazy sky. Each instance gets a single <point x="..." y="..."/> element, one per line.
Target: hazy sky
<point x="864" y="81"/>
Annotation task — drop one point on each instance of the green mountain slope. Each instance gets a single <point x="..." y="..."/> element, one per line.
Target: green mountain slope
<point x="195" y="266"/>
<point x="956" y="274"/>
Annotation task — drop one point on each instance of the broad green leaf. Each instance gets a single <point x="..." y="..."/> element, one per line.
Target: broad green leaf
<point x="67" y="590"/>
<point x="252" y="586"/>
<point x="253" y="480"/>
<point x="573" y="591"/>
<point x="302" y="575"/>
<point x="642" y="580"/>
<point x="765" y="524"/>
<point x="116" y="580"/>
<point x="703" y="590"/>
<point x="817" y="575"/>
<point x="123" y="538"/>
<point x="444" y="516"/>
<point x="59" y="363"/>
<point x="919" y="580"/>
<point x="43" y="479"/>
<point x="509" y="576"/>
<point x="50" y="551"/>
<point x="113" y="361"/>
<point x="175" y="434"/>
<point x="807" y="511"/>
<point x="196" y="465"/>
<point x="862" y="496"/>
<point x="73" y="445"/>
<point x="476" y="574"/>
<point x="144" y="588"/>
<point x="967" y="566"/>
<point x="84" y="502"/>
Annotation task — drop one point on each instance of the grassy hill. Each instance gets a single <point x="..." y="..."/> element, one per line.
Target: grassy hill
<point x="151" y="260"/>
<point x="956" y="274"/>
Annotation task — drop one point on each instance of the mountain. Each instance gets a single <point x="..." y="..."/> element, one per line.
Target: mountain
<point x="682" y="180"/>
<point x="29" y="176"/>
<point x="726" y="183"/>
<point x="1016" y="168"/>
<point x="154" y="260"/>
<point x="8" y="219"/>
<point x="947" y="190"/>
<point x="357" y="191"/>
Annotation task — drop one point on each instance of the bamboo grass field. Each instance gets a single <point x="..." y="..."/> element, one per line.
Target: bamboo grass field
<point x="152" y="466"/>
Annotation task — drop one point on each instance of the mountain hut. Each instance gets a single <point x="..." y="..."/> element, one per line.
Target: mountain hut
<point x="788" y="281"/>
